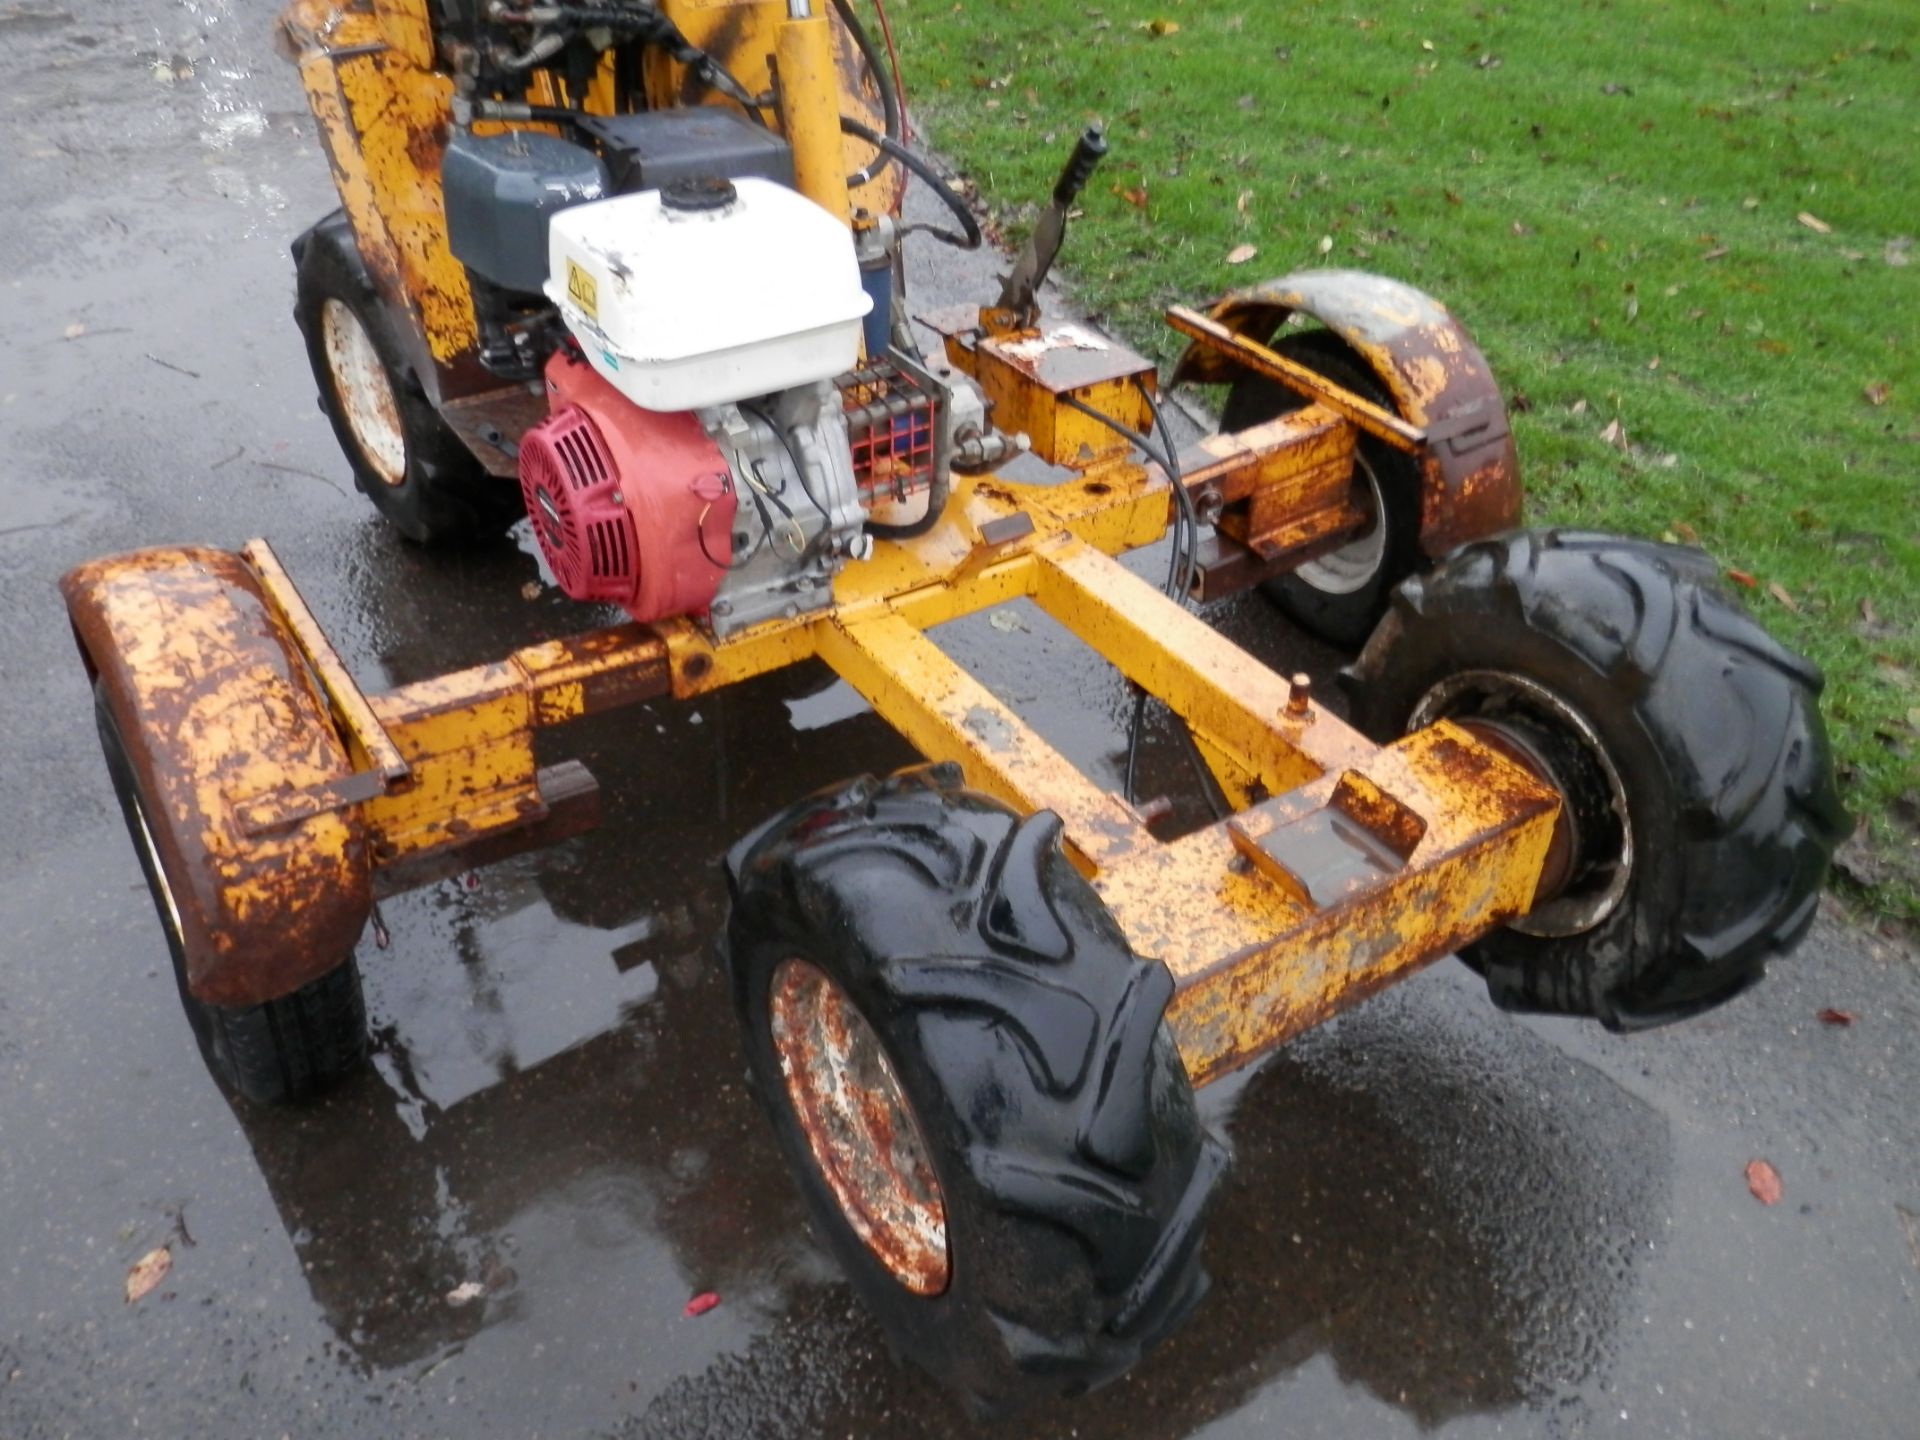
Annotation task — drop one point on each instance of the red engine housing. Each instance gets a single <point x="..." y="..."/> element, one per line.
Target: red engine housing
<point x="629" y="506"/>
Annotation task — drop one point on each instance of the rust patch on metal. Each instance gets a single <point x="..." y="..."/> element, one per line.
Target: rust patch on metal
<point x="1429" y="364"/>
<point x="866" y="1142"/>
<point x="566" y="803"/>
<point x="221" y="714"/>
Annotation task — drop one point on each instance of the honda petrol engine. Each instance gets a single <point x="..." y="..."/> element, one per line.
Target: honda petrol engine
<point x="714" y="443"/>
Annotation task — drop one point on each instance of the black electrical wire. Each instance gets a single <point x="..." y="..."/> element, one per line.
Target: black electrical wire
<point x="1179" y="582"/>
<point x="1170" y="453"/>
<point x="793" y="455"/>
<point x="738" y="561"/>
<point x="938" y="489"/>
<point x="1202" y="775"/>
<point x="970" y="237"/>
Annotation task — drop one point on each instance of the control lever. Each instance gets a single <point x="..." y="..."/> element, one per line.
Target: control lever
<point x="1019" y="308"/>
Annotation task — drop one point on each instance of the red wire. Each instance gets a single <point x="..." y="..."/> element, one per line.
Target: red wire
<point x="893" y="62"/>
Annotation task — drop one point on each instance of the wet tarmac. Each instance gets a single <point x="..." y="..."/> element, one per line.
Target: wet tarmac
<point x="1441" y="1219"/>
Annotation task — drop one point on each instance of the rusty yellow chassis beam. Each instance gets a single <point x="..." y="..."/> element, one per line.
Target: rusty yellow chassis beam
<point x="1345" y="866"/>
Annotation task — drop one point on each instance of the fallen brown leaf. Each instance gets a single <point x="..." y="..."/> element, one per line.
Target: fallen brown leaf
<point x="1719" y="252"/>
<point x="1159" y="29"/>
<point x="1135" y="196"/>
<point x="1867" y="612"/>
<point x="1741" y="577"/>
<point x="1841" y="1018"/>
<point x="1814" y="223"/>
<point x="1779" y="592"/>
<point x="148" y="1271"/>
<point x="1241" y="254"/>
<point x="1615" y="435"/>
<point x="1686" y="532"/>
<point x="1876" y="393"/>
<point x="1579" y="407"/>
<point x="1764" y="1181"/>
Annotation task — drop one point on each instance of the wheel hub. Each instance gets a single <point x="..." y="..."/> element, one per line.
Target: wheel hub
<point x="1354" y="565"/>
<point x="865" y="1140"/>
<point x="365" y="392"/>
<point x="1590" y="859"/>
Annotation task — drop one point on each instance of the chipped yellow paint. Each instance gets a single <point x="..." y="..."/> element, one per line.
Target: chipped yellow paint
<point x="382" y="118"/>
<point x="408" y="29"/>
<point x="216" y="710"/>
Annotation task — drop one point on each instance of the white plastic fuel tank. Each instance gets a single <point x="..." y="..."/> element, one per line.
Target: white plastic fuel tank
<point x="708" y="292"/>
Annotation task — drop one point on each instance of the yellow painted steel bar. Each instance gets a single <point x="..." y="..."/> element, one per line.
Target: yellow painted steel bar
<point x="355" y="716"/>
<point x="809" y="99"/>
<point x="1231" y="701"/>
<point x="949" y="715"/>
<point x="1254" y="965"/>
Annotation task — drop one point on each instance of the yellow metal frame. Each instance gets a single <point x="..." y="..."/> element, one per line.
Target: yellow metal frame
<point x="1261" y="946"/>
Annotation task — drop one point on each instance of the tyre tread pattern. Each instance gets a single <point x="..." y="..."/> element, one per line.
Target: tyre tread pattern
<point x="1730" y="713"/>
<point x="1100" y="1142"/>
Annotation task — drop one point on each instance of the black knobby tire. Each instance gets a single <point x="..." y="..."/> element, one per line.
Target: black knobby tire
<point x="1711" y="731"/>
<point x="1028" y="1040"/>
<point x="1341" y="616"/>
<point x="277" y="1053"/>
<point x="434" y="490"/>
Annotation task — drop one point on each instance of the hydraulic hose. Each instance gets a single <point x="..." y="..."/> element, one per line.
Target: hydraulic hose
<point x="876" y="65"/>
<point x="970" y="237"/>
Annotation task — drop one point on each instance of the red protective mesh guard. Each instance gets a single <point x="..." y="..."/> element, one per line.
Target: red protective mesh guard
<point x="891" y="425"/>
<point x="572" y="492"/>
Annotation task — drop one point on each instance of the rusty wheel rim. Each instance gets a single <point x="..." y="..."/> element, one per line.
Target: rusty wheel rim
<point x="364" y="390"/>
<point x="1355" y="565"/>
<point x="865" y="1141"/>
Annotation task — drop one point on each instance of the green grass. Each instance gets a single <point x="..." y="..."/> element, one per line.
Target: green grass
<point x="1607" y="193"/>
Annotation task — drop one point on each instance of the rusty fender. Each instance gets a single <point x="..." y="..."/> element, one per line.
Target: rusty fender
<point x="1436" y="375"/>
<point x="224" y="726"/>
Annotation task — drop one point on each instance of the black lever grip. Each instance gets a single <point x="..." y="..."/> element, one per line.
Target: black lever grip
<point x="1089" y="152"/>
